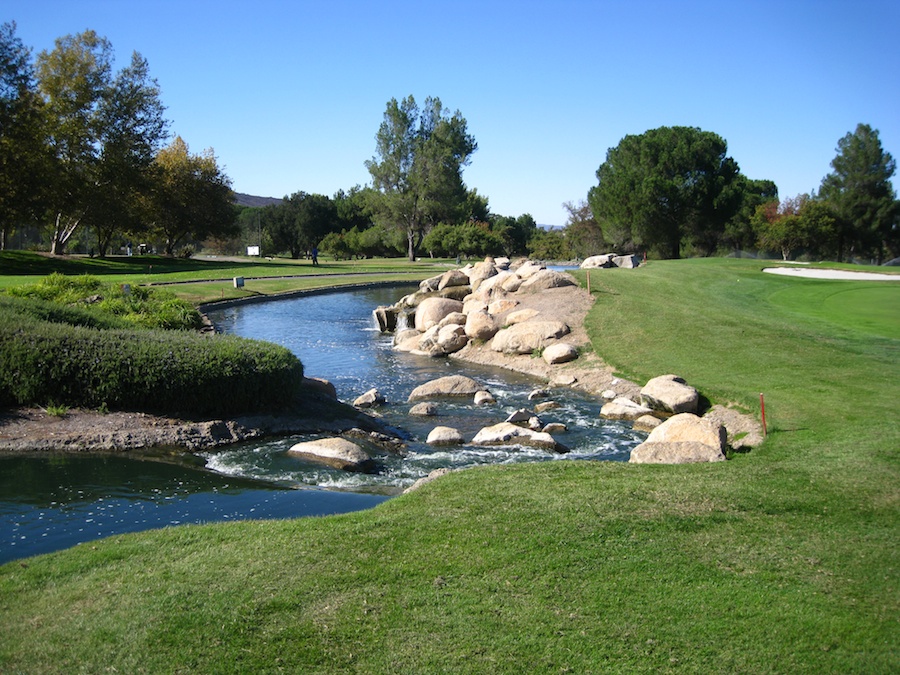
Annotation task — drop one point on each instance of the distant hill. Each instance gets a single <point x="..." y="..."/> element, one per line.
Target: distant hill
<point x="249" y="200"/>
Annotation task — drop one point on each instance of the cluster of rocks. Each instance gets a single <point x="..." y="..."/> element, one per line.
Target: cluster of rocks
<point x="479" y="303"/>
<point x="607" y="260"/>
<point x="668" y="409"/>
<point x="522" y="427"/>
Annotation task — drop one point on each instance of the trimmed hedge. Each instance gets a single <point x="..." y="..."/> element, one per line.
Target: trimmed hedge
<point x="170" y="372"/>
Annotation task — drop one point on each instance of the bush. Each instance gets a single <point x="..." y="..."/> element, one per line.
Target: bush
<point x="168" y="372"/>
<point x="17" y="310"/>
<point x="139" y="306"/>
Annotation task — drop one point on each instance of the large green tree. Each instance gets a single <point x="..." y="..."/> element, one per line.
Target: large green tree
<point x="665" y="187"/>
<point x="131" y="131"/>
<point x="192" y="197"/>
<point x="300" y="222"/>
<point x="73" y="78"/>
<point x="861" y="195"/>
<point x="417" y="171"/>
<point x="23" y="153"/>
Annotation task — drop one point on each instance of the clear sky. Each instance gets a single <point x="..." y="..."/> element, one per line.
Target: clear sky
<point x="290" y="94"/>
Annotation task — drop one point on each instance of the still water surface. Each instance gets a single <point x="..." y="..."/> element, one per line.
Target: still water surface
<point x="49" y="503"/>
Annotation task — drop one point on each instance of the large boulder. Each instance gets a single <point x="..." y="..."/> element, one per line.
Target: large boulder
<point x="524" y="338"/>
<point x="320" y="386"/>
<point x="338" y="453"/>
<point x="627" y="261"/>
<point x="480" y="326"/>
<point x="496" y="281"/>
<point x="444" y="436"/>
<point x="451" y="338"/>
<point x="481" y="271"/>
<point x="682" y="439"/>
<point x="598" y="261"/>
<point x="623" y="408"/>
<point x="545" y="279"/>
<point x="453" y="278"/>
<point x="528" y="269"/>
<point x="451" y="385"/>
<point x="431" y="311"/>
<point x="560" y="352"/>
<point x="502" y="305"/>
<point x="507" y="433"/>
<point x="519" y="316"/>
<point x="670" y="394"/>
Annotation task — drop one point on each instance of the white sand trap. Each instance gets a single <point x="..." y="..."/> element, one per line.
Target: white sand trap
<point x="845" y="275"/>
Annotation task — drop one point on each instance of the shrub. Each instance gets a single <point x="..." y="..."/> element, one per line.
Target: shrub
<point x="169" y="372"/>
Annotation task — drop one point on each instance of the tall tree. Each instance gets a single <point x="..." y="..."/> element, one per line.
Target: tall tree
<point x="860" y="192"/>
<point x="23" y="156"/>
<point x="192" y="196"/>
<point x="417" y="174"/>
<point x="72" y="79"/>
<point x="666" y="185"/>
<point x="131" y="130"/>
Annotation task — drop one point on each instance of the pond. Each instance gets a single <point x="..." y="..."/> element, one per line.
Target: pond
<point x="49" y="503"/>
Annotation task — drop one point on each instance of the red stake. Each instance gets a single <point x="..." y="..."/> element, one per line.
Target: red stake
<point x="762" y="406"/>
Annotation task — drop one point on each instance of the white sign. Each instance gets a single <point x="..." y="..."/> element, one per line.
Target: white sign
<point x="253" y="250"/>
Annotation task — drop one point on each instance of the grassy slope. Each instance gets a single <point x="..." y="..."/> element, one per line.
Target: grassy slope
<point x="781" y="560"/>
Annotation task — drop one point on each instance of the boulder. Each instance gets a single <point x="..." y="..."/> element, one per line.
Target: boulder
<point x="431" y="311"/>
<point x="426" y="409"/>
<point x="444" y="436"/>
<point x="627" y="261"/>
<point x="524" y="338"/>
<point x="437" y="473"/>
<point x="623" y="409"/>
<point x="546" y="405"/>
<point x="338" y="453"/>
<point x="528" y="269"/>
<point x="431" y="284"/>
<point x="474" y="305"/>
<point x="451" y="385"/>
<point x="481" y="271"/>
<point x="453" y="318"/>
<point x="682" y="439"/>
<point x="520" y="416"/>
<point x="555" y="428"/>
<point x="608" y="394"/>
<point x="598" y="261"/>
<point x="512" y="283"/>
<point x="405" y="334"/>
<point x="538" y="393"/>
<point x="484" y="398"/>
<point x="520" y="316"/>
<point x="453" y="278"/>
<point x="480" y="326"/>
<point x="545" y="279"/>
<point x="560" y="352"/>
<point x="646" y="423"/>
<point x="451" y="338"/>
<point x="671" y="394"/>
<point x="386" y="318"/>
<point x="674" y="453"/>
<point x="502" y="306"/>
<point x="371" y="398"/>
<point x="320" y="387"/>
<point x="496" y="281"/>
<point x="506" y="433"/>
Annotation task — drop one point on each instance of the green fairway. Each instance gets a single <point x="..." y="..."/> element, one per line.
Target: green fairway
<point x="781" y="560"/>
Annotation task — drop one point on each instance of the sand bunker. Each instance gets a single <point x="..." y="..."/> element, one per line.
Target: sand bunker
<point x="845" y="275"/>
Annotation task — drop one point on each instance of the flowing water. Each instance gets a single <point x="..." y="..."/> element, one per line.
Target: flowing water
<point x="336" y="338"/>
<point x="49" y="503"/>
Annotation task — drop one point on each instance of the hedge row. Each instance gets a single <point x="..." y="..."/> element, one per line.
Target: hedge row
<point x="169" y="372"/>
<point x="16" y="310"/>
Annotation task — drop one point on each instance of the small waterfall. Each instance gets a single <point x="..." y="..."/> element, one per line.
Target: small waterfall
<point x="402" y="321"/>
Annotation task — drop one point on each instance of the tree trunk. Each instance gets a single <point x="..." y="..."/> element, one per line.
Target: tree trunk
<point x="411" y="242"/>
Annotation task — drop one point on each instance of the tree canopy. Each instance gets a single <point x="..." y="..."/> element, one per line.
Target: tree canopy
<point x="417" y="171"/>
<point x="861" y="195"/>
<point x="666" y="186"/>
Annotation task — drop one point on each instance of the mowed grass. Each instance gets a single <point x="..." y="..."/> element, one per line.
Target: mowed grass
<point x="783" y="559"/>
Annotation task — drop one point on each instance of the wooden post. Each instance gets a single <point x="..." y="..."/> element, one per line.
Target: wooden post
<point x="589" y="281"/>
<point x="762" y="407"/>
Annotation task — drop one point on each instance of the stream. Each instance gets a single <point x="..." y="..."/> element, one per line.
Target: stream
<point x="48" y="503"/>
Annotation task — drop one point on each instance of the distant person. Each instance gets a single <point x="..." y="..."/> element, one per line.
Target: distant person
<point x="315" y="256"/>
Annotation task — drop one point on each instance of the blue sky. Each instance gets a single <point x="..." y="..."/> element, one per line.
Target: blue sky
<point x="290" y="94"/>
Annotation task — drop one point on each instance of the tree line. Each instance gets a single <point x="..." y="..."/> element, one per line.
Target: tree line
<point x="84" y="157"/>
